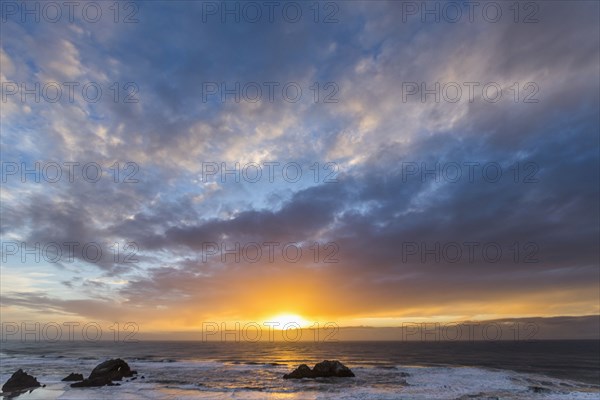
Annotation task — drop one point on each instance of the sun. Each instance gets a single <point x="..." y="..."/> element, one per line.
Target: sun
<point x="284" y="321"/>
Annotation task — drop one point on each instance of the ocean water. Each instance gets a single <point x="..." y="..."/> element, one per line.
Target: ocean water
<point x="384" y="370"/>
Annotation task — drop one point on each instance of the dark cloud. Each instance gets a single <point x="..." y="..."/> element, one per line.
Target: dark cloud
<point x="373" y="210"/>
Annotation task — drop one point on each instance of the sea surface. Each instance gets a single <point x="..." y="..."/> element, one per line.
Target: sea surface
<point x="384" y="370"/>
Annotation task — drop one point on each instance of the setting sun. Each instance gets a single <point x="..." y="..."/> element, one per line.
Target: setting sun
<point x="288" y="320"/>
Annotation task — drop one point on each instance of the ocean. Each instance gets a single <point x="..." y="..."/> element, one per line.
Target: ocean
<point x="384" y="370"/>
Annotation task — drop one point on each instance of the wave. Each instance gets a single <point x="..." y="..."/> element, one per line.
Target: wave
<point x="248" y="380"/>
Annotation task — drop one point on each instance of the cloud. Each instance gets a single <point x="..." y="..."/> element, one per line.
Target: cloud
<point x="373" y="133"/>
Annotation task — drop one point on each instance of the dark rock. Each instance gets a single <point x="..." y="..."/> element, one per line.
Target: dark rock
<point x="324" y="369"/>
<point x="105" y="373"/>
<point x="143" y="377"/>
<point x="327" y="369"/>
<point x="96" y="382"/>
<point x="115" y="370"/>
<point x="404" y="374"/>
<point x="20" y="381"/>
<point x="303" y="371"/>
<point x="73" y="377"/>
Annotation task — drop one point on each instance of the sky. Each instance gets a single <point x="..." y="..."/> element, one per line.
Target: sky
<point x="354" y="163"/>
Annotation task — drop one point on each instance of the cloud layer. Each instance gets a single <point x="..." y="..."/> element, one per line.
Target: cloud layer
<point x="410" y="206"/>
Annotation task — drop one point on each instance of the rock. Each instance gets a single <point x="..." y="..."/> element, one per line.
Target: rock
<point x="20" y="381"/>
<point x="96" y="382"/>
<point x="105" y="373"/>
<point x="303" y="371"/>
<point x="115" y="370"/>
<point x="73" y="377"/>
<point x="324" y="369"/>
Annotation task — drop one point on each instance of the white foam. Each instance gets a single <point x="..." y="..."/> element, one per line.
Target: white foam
<point x="215" y="380"/>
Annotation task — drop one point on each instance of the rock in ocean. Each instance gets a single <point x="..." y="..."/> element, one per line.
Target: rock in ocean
<point x="324" y="369"/>
<point x="105" y="373"/>
<point x="73" y="377"/>
<point x="20" y="381"/>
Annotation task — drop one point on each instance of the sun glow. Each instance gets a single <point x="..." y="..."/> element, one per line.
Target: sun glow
<point x="287" y="321"/>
